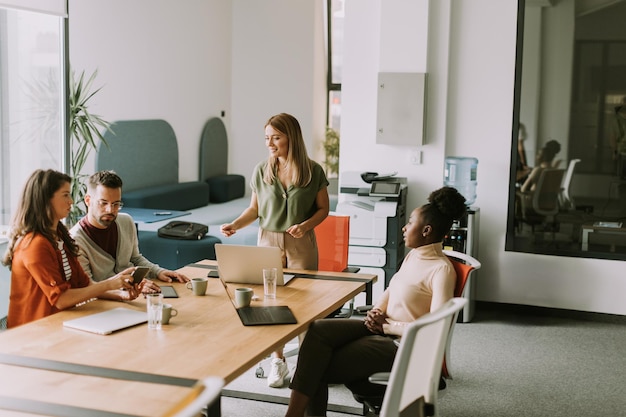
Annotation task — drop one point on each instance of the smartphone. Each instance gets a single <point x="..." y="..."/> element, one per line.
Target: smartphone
<point x="169" y="291"/>
<point x="139" y="273"/>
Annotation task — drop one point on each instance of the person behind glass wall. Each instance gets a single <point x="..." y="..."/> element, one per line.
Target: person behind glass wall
<point x="46" y="276"/>
<point x="618" y="139"/>
<point x="522" y="169"/>
<point x="290" y="198"/>
<point x="545" y="159"/>
<point x="348" y="351"/>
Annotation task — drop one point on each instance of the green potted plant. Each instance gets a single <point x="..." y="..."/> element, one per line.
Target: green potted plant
<point x="331" y="158"/>
<point x="84" y="131"/>
<point x="331" y="150"/>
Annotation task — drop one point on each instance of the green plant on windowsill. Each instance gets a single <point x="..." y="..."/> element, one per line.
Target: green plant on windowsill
<point x="84" y="132"/>
<point x="331" y="152"/>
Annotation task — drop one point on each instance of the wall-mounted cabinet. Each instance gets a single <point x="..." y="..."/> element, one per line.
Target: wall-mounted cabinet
<point x="401" y="108"/>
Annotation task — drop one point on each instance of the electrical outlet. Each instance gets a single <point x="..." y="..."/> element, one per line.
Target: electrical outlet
<point x="415" y="157"/>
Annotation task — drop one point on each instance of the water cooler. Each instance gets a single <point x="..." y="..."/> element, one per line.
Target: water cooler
<point x="463" y="237"/>
<point x="377" y="211"/>
<point x="460" y="172"/>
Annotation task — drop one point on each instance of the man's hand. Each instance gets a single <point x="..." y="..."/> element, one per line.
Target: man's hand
<point x="172" y="276"/>
<point x="149" y="287"/>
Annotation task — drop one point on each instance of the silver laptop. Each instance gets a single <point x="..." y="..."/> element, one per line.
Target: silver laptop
<point x="108" y="321"/>
<point x="244" y="264"/>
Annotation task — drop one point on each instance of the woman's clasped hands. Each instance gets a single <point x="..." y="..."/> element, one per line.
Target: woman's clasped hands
<point x="375" y="319"/>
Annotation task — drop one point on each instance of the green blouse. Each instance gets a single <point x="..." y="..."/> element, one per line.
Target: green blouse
<point x="280" y="209"/>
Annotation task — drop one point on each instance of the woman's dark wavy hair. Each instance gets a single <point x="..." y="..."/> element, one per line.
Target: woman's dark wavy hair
<point x="35" y="213"/>
<point x="444" y="206"/>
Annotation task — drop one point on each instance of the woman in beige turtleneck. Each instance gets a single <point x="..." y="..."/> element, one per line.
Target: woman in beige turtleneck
<point x="342" y="351"/>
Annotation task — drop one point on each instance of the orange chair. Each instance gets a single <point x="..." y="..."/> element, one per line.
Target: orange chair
<point x="333" y="239"/>
<point x="333" y="236"/>
<point x="464" y="265"/>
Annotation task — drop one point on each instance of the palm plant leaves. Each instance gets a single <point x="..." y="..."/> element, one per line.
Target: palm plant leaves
<point x="84" y="130"/>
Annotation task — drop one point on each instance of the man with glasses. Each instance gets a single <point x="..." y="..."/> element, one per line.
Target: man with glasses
<point x="108" y="239"/>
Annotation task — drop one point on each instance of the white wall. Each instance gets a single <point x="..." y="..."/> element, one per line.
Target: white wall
<point x="473" y="93"/>
<point x="158" y="58"/>
<point x="373" y="44"/>
<point x="278" y="66"/>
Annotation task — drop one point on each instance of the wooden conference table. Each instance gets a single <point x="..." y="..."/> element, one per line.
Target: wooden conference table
<point x="138" y="371"/>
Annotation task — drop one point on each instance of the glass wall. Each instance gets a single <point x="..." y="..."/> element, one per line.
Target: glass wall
<point x="568" y="179"/>
<point x="32" y="103"/>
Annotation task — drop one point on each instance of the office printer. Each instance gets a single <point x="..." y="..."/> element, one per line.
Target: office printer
<point x="370" y="205"/>
<point x="377" y="210"/>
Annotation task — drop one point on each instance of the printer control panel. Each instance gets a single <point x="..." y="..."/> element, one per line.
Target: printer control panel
<point x="385" y="189"/>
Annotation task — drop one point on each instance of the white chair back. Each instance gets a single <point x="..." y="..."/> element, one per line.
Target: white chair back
<point x="565" y="200"/>
<point x="417" y="367"/>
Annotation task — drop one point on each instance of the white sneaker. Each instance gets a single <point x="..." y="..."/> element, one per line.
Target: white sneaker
<point x="278" y="372"/>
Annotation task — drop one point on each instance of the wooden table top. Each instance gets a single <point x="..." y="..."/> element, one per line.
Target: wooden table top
<point x="205" y="338"/>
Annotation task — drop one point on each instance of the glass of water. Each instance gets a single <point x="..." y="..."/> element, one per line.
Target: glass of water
<point x="154" y="304"/>
<point x="269" y="282"/>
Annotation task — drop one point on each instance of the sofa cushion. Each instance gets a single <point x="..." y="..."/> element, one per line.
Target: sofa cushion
<point x="227" y="187"/>
<point x="137" y="147"/>
<point x="180" y="196"/>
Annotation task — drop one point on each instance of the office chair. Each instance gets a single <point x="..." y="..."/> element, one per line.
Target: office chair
<point x="412" y="385"/>
<point x="203" y="394"/>
<point x="566" y="202"/>
<point x="333" y="240"/>
<point x="333" y="235"/>
<point x="464" y="266"/>
<point x="542" y="204"/>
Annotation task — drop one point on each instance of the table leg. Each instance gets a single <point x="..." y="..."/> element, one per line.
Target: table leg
<point x="215" y="408"/>
<point x="585" y="239"/>
<point x="369" y="289"/>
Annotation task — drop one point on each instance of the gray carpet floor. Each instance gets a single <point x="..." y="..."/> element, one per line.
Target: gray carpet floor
<point x="509" y="361"/>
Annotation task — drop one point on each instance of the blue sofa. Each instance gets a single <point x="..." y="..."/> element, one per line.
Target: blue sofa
<point x="145" y="155"/>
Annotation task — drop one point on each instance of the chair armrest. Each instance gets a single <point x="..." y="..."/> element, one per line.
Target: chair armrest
<point x="364" y="309"/>
<point x="380" y="378"/>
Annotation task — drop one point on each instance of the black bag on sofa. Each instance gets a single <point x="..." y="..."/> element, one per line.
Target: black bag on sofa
<point x="183" y="230"/>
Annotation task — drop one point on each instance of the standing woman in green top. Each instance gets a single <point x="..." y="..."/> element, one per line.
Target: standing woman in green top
<point x="290" y="198"/>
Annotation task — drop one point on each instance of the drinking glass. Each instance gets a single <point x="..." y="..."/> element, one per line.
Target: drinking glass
<point x="154" y="304"/>
<point x="269" y="282"/>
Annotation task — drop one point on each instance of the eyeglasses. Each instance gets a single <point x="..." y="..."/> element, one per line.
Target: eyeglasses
<point x="114" y="206"/>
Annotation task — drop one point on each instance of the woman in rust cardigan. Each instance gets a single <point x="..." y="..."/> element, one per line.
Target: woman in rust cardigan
<point x="45" y="274"/>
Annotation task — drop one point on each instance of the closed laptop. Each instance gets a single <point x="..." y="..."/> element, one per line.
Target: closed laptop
<point x="108" y="321"/>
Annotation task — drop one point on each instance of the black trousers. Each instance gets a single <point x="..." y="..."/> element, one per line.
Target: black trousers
<point x="338" y="351"/>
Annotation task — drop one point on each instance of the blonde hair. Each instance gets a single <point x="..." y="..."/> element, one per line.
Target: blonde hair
<point x="297" y="157"/>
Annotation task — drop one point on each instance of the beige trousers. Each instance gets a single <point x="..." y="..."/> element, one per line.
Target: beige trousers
<point x="297" y="253"/>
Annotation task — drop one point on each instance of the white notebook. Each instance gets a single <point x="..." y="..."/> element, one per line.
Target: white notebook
<point x="108" y="321"/>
